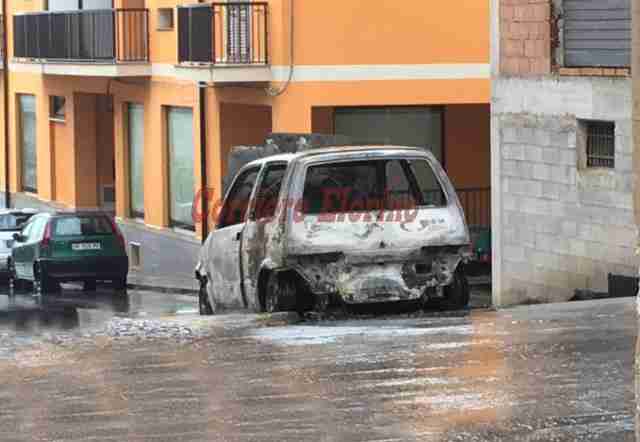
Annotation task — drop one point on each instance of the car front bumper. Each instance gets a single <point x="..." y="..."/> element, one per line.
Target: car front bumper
<point x="102" y="268"/>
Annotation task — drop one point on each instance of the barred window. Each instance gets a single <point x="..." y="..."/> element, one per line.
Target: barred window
<point x="600" y="144"/>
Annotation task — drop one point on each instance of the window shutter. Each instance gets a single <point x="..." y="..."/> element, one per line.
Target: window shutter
<point x="597" y="33"/>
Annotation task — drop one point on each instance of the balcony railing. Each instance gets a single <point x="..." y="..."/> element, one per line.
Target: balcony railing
<point x="100" y="35"/>
<point x="223" y="34"/>
<point x="476" y="203"/>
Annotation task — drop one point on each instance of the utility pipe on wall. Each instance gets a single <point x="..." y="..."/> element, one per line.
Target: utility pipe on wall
<point x="5" y="81"/>
<point x="273" y="92"/>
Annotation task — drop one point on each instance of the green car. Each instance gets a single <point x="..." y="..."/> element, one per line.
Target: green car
<point x="69" y="246"/>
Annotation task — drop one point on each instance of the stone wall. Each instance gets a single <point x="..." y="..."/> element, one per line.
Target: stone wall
<point x="561" y="227"/>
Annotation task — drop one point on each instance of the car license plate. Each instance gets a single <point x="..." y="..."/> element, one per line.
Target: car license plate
<point x="86" y="246"/>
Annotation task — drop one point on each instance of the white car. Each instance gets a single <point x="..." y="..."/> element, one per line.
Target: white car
<point x="352" y="224"/>
<point x="11" y="221"/>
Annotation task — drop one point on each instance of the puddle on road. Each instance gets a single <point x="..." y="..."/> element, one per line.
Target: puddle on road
<point x="319" y="335"/>
<point x="74" y="309"/>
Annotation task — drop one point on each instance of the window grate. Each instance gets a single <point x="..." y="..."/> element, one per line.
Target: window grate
<point x="600" y="144"/>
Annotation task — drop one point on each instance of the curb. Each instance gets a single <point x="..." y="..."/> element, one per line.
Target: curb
<point x="162" y="289"/>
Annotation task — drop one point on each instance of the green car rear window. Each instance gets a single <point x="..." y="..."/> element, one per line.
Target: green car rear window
<point x="81" y="226"/>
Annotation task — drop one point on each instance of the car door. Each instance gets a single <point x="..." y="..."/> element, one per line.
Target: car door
<point x="222" y="248"/>
<point x="24" y="252"/>
<point x="260" y="220"/>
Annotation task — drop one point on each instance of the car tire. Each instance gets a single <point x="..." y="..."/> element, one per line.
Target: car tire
<point x="321" y="304"/>
<point x="204" y="303"/>
<point x="456" y="294"/>
<point x="119" y="283"/>
<point x="12" y="281"/>
<point x="89" y="285"/>
<point x="42" y="283"/>
<point x="280" y="293"/>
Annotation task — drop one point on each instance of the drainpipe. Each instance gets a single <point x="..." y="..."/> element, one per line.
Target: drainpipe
<point x="5" y="81"/>
<point x="204" y="209"/>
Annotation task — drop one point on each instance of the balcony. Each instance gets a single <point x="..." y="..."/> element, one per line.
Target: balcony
<point x="96" y="42"/>
<point x="227" y="41"/>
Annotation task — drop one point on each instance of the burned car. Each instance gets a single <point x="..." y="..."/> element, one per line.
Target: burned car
<point x="352" y="225"/>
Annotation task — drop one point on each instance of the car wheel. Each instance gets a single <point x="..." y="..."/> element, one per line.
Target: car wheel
<point x="280" y="292"/>
<point x="456" y="294"/>
<point x="11" y="280"/>
<point x="42" y="283"/>
<point x="204" y="304"/>
<point x="89" y="285"/>
<point x="119" y="283"/>
<point x="321" y="303"/>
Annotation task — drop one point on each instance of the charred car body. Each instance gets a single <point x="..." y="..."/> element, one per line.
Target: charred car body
<point x="354" y="224"/>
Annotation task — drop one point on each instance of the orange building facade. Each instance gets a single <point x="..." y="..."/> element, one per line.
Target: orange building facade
<point x="105" y="96"/>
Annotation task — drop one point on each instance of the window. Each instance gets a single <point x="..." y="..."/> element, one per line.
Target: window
<point x="165" y="19"/>
<point x="428" y="184"/>
<point x="235" y="206"/>
<point x="28" y="152"/>
<point x="81" y="225"/>
<point x="342" y="187"/>
<point x="37" y="229"/>
<point x="135" y="136"/>
<point x="26" y="229"/>
<point x="13" y="221"/>
<point x="403" y="126"/>
<point x="597" y="33"/>
<point x="72" y="5"/>
<point x="399" y="193"/>
<point x="599" y="139"/>
<point x="267" y="197"/>
<point x="57" y="108"/>
<point x="181" y="172"/>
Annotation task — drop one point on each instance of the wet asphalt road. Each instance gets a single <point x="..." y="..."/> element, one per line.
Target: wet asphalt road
<point x="103" y="366"/>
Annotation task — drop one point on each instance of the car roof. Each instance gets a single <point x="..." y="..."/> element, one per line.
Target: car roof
<point x="333" y="150"/>
<point x="61" y="213"/>
<point x="25" y="211"/>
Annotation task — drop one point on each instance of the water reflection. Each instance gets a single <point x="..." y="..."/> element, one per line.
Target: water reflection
<point x="64" y="310"/>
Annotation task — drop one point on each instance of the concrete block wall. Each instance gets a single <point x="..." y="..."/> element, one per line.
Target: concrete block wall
<point x="561" y="227"/>
<point x="525" y="37"/>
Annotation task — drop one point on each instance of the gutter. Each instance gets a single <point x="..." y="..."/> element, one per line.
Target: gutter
<point x="5" y="81"/>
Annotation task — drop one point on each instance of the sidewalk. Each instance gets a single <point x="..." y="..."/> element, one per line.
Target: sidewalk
<point x="179" y="285"/>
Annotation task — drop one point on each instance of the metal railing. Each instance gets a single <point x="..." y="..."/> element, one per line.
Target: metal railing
<point x="476" y="203"/>
<point x="600" y="144"/>
<point x="223" y="34"/>
<point x="96" y="35"/>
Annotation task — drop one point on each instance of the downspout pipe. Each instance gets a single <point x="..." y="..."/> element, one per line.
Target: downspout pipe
<point x="204" y="209"/>
<point x="274" y="92"/>
<point x="5" y="81"/>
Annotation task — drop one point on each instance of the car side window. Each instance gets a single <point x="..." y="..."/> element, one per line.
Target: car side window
<point x="27" y="229"/>
<point x="37" y="229"/>
<point x="399" y="192"/>
<point x="268" y="192"/>
<point x="428" y="184"/>
<point x="235" y="206"/>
